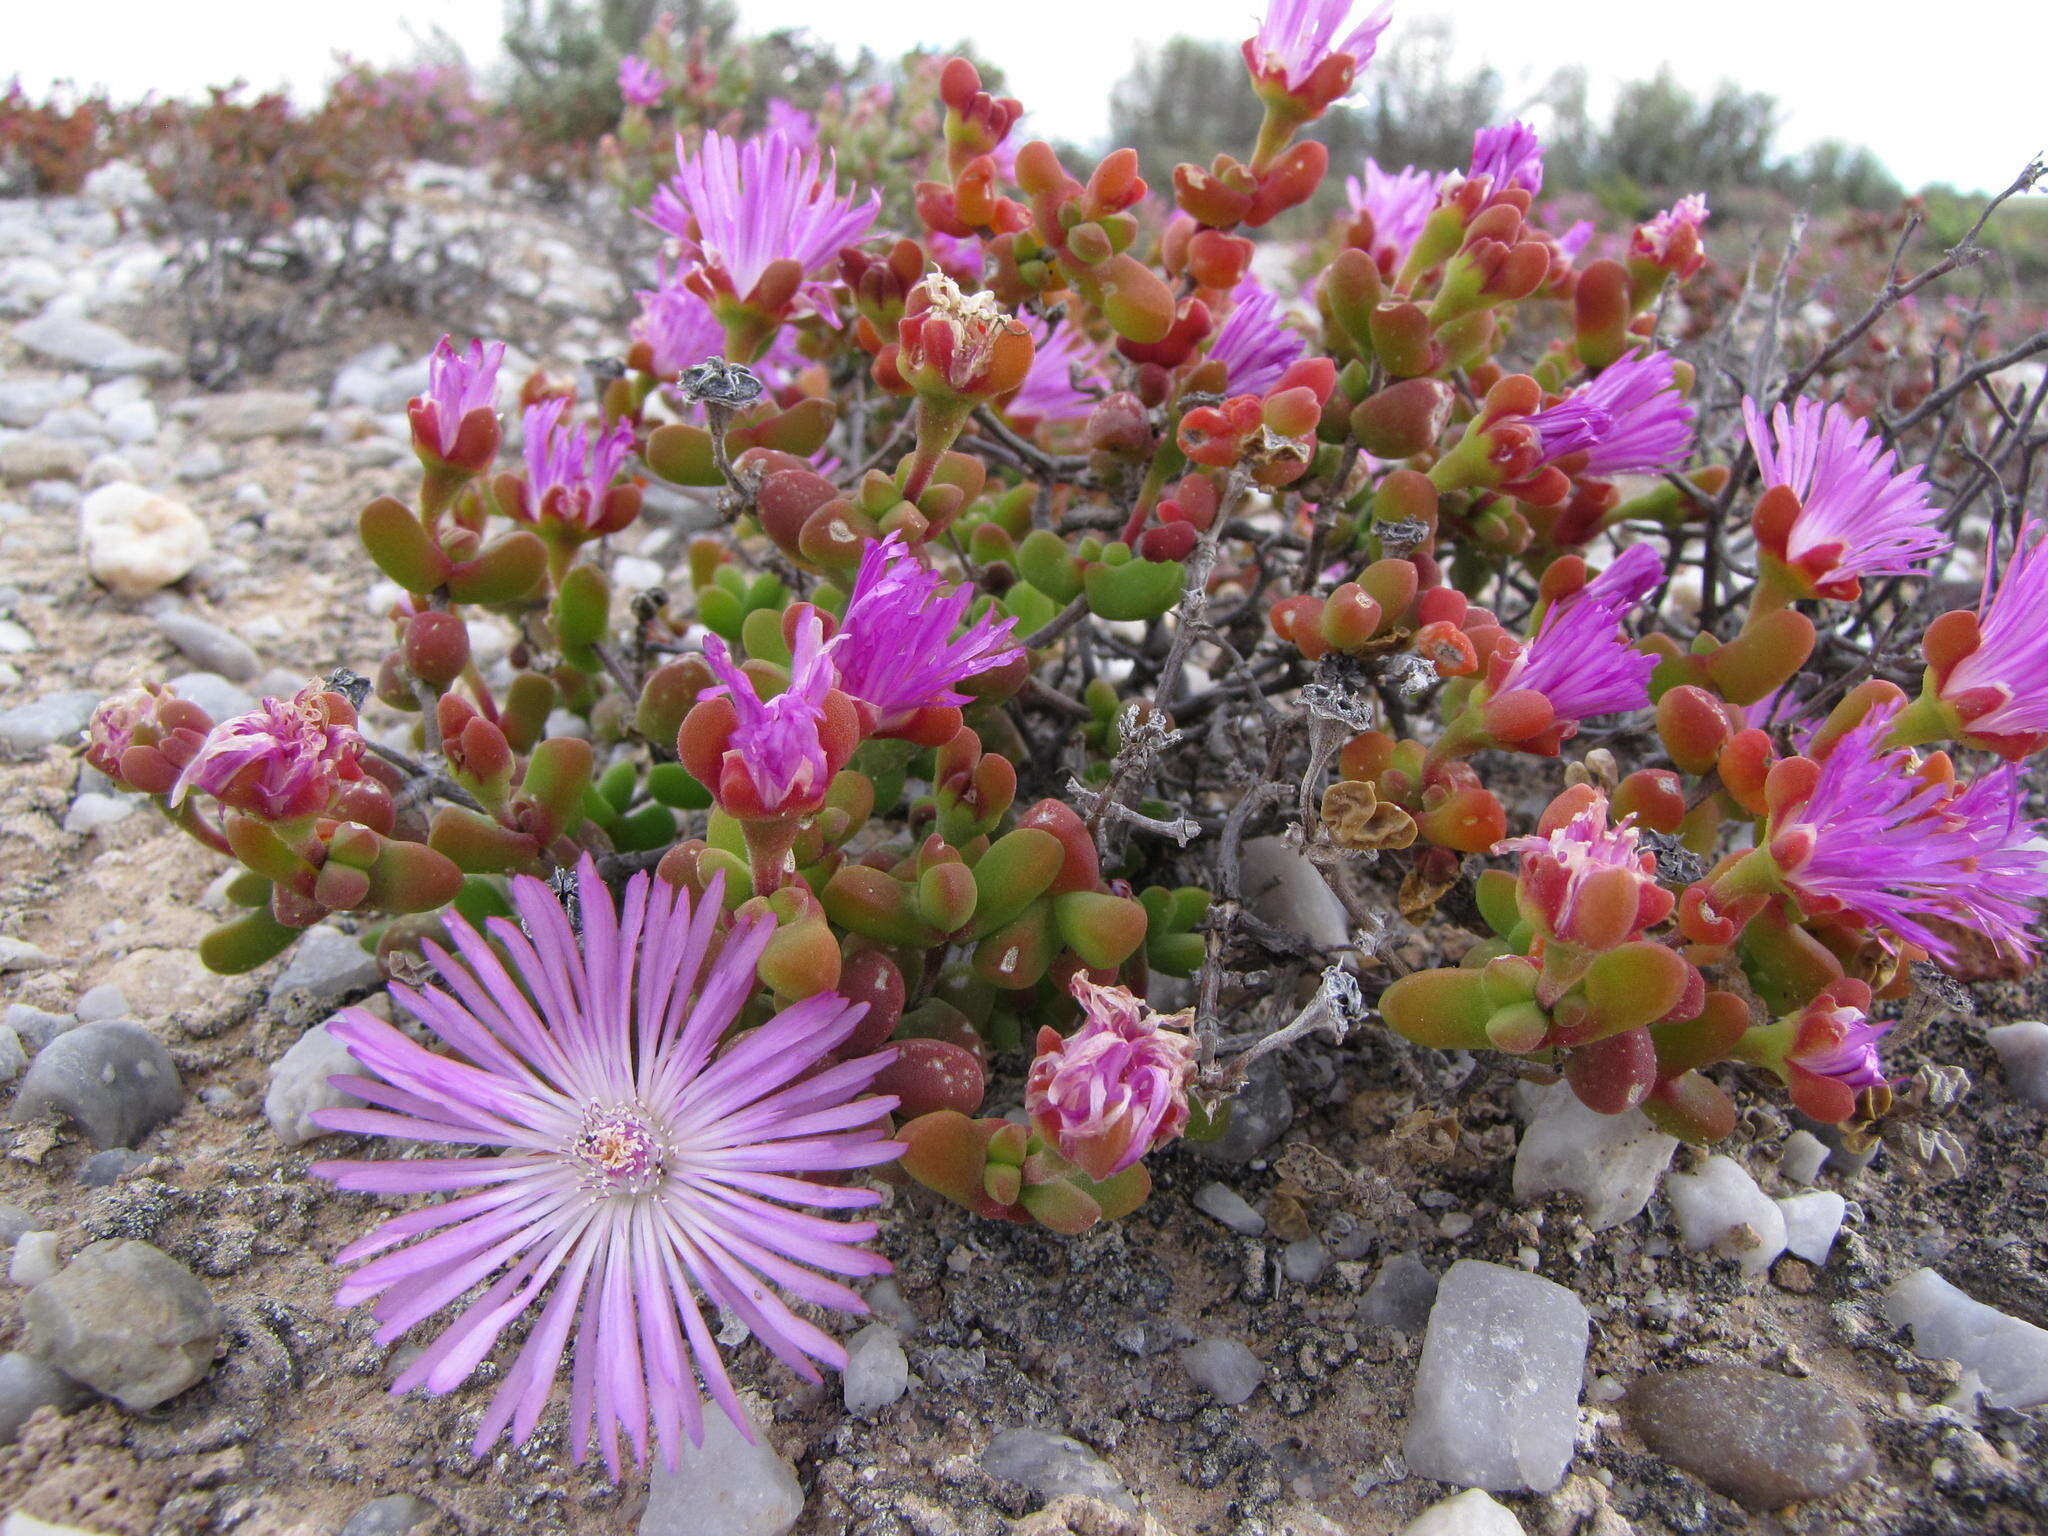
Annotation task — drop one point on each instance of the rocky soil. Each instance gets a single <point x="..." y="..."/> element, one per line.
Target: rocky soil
<point x="1398" y="1275"/>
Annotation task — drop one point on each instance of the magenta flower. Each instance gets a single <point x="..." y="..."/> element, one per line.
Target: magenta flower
<point x="281" y="761"/>
<point x="2000" y="689"/>
<point x="1580" y="659"/>
<point x="1569" y="876"/>
<point x="792" y="122"/>
<point x="458" y="383"/>
<point x="1399" y="204"/>
<point x="636" y="1162"/>
<point x="1852" y="512"/>
<point x="1911" y="852"/>
<point x="775" y="761"/>
<point x="1117" y="1087"/>
<point x="1671" y="240"/>
<point x="678" y="327"/>
<point x="1575" y="240"/>
<point x="567" y="472"/>
<point x="738" y="206"/>
<point x="640" y="82"/>
<point x="1510" y="155"/>
<point x="897" y="652"/>
<point x="1840" y="1042"/>
<point x="1631" y="420"/>
<point x="1299" y="50"/>
<point x="1255" y="344"/>
<point x="1064" y="380"/>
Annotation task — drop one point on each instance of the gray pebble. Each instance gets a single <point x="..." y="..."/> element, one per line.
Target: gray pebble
<point x="325" y="967"/>
<point x="34" y="1259"/>
<point x="1305" y="1261"/>
<point x="392" y="1515"/>
<point x="1400" y="1295"/>
<point x="877" y="1373"/>
<point x="90" y="812"/>
<point x="126" y="1319"/>
<point x="114" y="1078"/>
<point x="214" y="694"/>
<point x="1259" y="1116"/>
<point x="35" y="1028"/>
<point x="28" y="728"/>
<point x="97" y="1004"/>
<point x="1228" y="1206"/>
<point x="725" y="1487"/>
<point x="213" y="648"/>
<point x="13" y="1055"/>
<point x="14" y="1222"/>
<point x="112" y="1166"/>
<point x="300" y="1086"/>
<point x="1223" y="1368"/>
<point x="1763" y="1439"/>
<point x="1054" y="1467"/>
<point x="27" y="1384"/>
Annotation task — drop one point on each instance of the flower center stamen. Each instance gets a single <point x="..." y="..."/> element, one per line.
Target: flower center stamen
<point x="619" y="1151"/>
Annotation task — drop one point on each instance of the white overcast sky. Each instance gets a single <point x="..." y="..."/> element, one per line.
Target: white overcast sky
<point x="1948" y="93"/>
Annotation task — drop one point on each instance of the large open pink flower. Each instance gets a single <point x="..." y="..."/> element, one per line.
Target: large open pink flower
<point x="622" y="1159"/>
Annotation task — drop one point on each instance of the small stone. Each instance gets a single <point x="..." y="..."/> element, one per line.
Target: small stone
<point x="204" y="462"/>
<point x="725" y="1487"/>
<point x="210" y="646"/>
<point x="213" y="693"/>
<point x="34" y="1259"/>
<point x="89" y="813"/>
<point x="1400" y="1295"/>
<point x="1260" y="1113"/>
<point x="15" y="1223"/>
<point x="1154" y="1336"/>
<point x="1610" y="1162"/>
<point x="114" y="1078"/>
<point x="1801" y="1157"/>
<point x="1223" y="1368"/>
<point x="1721" y="1208"/>
<point x="112" y="1166"/>
<point x="35" y="457"/>
<point x="98" y="1004"/>
<point x="1470" y="1513"/>
<point x="13" y="1055"/>
<point x="1763" y="1439"/>
<point x="14" y="639"/>
<point x="1283" y="888"/>
<point x="26" y="400"/>
<point x="1228" y="1206"/>
<point x="134" y="423"/>
<point x="877" y="1372"/>
<point x="632" y="574"/>
<point x="392" y="1515"/>
<point x="2008" y="1354"/>
<point x="1811" y="1221"/>
<point x="299" y="1085"/>
<point x="35" y="1028"/>
<point x="886" y="1300"/>
<point x="28" y="728"/>
<point x="1497" y="1390"/>
<point x="27" y="1384"/>
<point x="1055" y="1467"/>
<point x="137" y="542"/>
<point x="254" y="413"/>
<point x="2023" y="1052"/>
<point x="126" y="1319"/>
<point x="325" y="967"/>
<point x="88" y="344"/>
<point x="1305" y="1261"/>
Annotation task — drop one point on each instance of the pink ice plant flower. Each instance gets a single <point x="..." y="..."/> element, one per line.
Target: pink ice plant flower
<point x="792" y="122"/>
<point x="1631" y="420"/>
<point x="1847" y="1051"/>
<point x="640" y="83"/>
<point x="679" y="328"/>
<point x="458" y="382"/>
<point x="1580" y="659"/>
<point x="1509" y="155"/>
<point x="1560" y="868"/>
<point x="778" y="740"/>
<point x="897" y="651"/>
<point x="622" y="1160"/>
<point x="1297" y="37"/>
<point x="1907" y="851"/>
<point x="567" y="470"/>
<point x="1255" y="344"/>
<point x="1116" y="1087"/>
<point x="736" y="206"/>
<point x="1858" y="514"/>
<point x="1672" y="238"/>
<point x="1399" y="203"/>
<point x="2000" y="689"/>
<point x="282" y="760"/>
<point x="1060" y="356"/>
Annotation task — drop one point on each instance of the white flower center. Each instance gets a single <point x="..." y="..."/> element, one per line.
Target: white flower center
<point x="619" y="1151"/>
